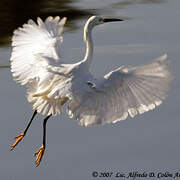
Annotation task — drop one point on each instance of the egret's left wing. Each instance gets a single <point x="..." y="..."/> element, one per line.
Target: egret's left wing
<point x="36" y="48"/>
<point x="123" y="91"/>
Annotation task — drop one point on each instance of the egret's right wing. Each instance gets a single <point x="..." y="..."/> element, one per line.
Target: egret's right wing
<point x="35" y="48"/>
<point x="123" y="91"/>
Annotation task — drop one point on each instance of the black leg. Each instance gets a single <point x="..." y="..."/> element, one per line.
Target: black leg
<point x="44" y="130"/>
<point x="19" y="138"/>
<point x="27" y="127"/>
<point x="39" y="153"/>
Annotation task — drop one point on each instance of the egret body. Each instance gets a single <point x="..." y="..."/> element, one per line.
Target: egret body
<point x="36" y="63"/>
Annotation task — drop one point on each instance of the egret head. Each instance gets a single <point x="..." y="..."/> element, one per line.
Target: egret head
<point x="96" y="20"/>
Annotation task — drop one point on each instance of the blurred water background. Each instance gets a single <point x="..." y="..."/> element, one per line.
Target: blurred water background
<point x="149" y="142"/>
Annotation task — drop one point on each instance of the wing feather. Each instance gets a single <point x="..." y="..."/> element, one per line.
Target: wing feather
<point x="35" y="48"/>
<point x="124" y="91"/>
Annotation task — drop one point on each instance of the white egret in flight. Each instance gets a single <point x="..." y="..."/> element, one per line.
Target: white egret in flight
<point x="36" y="63"/>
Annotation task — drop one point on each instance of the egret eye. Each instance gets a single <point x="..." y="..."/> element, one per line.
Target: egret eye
<point x="101" y="19"/>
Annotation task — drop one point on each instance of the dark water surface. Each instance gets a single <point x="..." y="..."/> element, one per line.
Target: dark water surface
<point x="149" y="142"/>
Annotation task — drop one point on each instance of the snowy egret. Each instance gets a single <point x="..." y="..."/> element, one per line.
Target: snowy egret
<point x="36" y="63"/>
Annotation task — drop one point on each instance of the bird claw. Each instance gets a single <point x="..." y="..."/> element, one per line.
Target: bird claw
<point x="18" y="139"/>
<point x="39" y="154"/>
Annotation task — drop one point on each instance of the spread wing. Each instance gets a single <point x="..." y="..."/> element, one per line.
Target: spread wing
<point x="35" y="48"/>
<point x="123" y="91"/>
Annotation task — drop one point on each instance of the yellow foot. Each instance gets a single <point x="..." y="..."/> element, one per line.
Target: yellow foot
<point x="39" y="154"/>
<point x="18" y="139"/>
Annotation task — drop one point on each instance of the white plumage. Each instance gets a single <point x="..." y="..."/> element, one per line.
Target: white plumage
<point x="36" y="63"/>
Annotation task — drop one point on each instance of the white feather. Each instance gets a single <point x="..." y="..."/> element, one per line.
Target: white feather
<point x="35" y="47"/>
<point x="126" y="91"/>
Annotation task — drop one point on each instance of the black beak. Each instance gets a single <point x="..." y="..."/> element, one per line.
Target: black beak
<point x="112" y="20"/>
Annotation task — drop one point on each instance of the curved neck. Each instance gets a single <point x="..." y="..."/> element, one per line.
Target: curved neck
<point x="89" y="45"/>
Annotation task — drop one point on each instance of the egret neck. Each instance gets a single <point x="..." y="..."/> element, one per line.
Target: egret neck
<point x="89" y="44"/>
